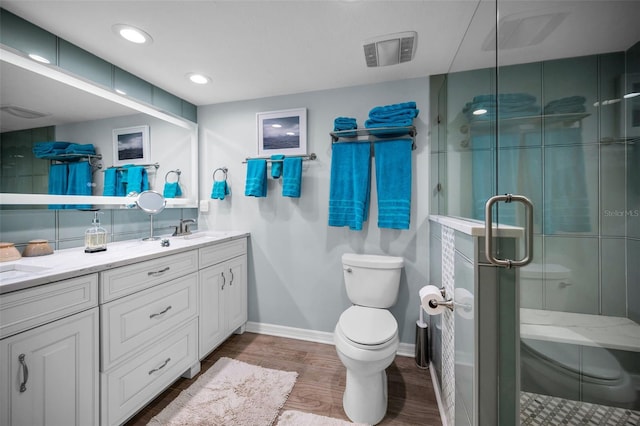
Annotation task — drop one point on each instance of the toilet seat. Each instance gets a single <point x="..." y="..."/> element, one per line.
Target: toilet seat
<point x="604" y="368"/>
<point x="368" y="327"/>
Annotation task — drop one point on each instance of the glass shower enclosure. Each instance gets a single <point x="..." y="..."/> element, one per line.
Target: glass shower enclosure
<point x="546" y="105"/>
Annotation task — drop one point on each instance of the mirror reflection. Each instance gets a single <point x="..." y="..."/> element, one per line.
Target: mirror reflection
<point x="58" y="140"/>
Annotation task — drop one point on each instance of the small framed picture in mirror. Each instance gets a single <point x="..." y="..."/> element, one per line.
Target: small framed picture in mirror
<point x="131" y="146"/>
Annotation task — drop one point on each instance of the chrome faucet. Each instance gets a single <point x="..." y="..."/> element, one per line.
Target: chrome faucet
<point x="183" y="227"/>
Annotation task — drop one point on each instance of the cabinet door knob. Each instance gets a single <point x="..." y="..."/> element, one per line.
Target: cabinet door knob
<point x="25" y="373"/>
<point x="232" y="276"/>
<point x="224" y="280"/>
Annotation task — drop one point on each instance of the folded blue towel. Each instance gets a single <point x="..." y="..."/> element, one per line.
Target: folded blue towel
<point x="396" y="115"/>
<point x="292" y="177"/>
<point x="256" y="185"/>
<point x="76" y="148"/>
<point x="80" y="182"/>
<point x="220" y="190"/>
<point x="350" y="184"/>
<point x="49" y="149"/>
<point x="393" y="181"/>
<point x="137" y="179"/>
<point x="58" y="178"/>
<point x="344" y="123"/>
<point x="171" y="190"/>
<point x="276" y="165"/>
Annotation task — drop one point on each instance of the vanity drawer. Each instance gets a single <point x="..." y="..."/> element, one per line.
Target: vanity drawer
<point x="133" y="384"/>
<point x="119" y="282"/>
<point x="131" y="323"/>
<point x="217" y="253"/>
<point x="25" y="309"/>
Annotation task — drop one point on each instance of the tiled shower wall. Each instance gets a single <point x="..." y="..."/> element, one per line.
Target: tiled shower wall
<point x="65" y="228"/>
<point x="536" y="162"/>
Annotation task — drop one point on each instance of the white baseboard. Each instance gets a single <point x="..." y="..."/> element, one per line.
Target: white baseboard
<point x="405" y="349"/>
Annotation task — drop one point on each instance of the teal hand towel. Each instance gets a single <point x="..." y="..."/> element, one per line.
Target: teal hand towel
<point x="58" y="176"/>
<point x="171" y="190"/>
<point x="393" y="182"/>
<point x="256" y="184"/>
<point x="350" y="184"/>
<point x="276" y="165"/>
<point x="292" y="177"/>
<point x="220" y="190"/>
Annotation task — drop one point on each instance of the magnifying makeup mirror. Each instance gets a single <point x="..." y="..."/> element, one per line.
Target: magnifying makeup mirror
<point x="152" y="203"/>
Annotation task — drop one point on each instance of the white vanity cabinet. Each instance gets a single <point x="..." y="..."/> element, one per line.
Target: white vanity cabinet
<point x="223" y="292"/>
<point x="149" y="331"/>
<point x="49" y="354"/>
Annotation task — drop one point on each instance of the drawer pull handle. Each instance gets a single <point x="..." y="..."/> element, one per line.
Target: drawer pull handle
<point x="224" y="280"/>
<point x="25" y="373"/>
<point x="156" y="273"/>
<point x="161" y="367"/>
<point x="232" y="276"/>
<point x="160" y="313"/>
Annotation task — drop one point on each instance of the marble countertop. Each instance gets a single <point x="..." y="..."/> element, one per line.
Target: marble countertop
<point x="68" y="263"/>
<point x="580" y="329"/>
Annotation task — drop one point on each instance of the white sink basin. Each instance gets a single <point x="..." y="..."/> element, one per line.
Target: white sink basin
<point x="13" y="271"/>
<point x="207" y="234"/>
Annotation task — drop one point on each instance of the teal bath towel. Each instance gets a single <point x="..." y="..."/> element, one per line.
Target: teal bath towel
<point x="137" y="179"/>
<point x="393" y="182"/>
<point x="58" y="175"/>
<point x="350" y="184"/>
<point x="256" y="185"/>
<point x="292" y="177"/>
<point x="80" y="182"/>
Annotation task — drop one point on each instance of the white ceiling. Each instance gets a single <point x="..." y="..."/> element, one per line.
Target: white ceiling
<point x="254" y="49"/>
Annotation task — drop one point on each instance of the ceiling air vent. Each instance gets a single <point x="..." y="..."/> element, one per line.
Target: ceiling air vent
<point x="390" y="49"/>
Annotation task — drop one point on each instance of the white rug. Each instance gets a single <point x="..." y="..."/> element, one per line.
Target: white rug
<point x="230" y="393"/>
<point x="298" y="418"/>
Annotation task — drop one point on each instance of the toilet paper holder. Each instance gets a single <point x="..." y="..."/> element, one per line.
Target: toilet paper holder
<point x="447" y="303"/>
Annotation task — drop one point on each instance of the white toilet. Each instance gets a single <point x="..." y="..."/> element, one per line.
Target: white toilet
<point x="366" y="335"/>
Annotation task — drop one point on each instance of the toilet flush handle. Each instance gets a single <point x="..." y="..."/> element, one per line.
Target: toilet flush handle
<point x="349" y="270"/>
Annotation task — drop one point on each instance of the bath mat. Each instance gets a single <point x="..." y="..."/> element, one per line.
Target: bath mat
<point x="298" y="418"/>
<point x="231" y="392"/>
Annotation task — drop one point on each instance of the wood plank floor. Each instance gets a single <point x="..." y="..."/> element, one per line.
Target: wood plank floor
<point x="321" y="380"/>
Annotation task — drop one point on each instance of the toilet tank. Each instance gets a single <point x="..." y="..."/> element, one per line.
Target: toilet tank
<point x="372" y="280"/>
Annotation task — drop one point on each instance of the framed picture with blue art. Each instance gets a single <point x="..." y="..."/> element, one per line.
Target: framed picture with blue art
<point x="282" y="132"/>
<point x="131" y="146"/>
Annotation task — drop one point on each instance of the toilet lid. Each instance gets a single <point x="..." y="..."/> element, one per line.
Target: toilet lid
<point x="602" y="366"/>
<point x="368" y="326"/>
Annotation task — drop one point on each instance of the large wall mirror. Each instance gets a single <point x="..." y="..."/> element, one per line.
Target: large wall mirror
<point x="46" y="104"/>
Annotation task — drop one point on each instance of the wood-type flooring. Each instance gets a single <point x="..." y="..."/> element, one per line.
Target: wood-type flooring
<point x="321" y="380"/>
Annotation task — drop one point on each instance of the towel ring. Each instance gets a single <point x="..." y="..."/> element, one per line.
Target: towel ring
<point x="177" y="172"/>
<point x="220" y="169"/>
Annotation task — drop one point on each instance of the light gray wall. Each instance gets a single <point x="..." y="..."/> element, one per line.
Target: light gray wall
<point x="295" y="273"/>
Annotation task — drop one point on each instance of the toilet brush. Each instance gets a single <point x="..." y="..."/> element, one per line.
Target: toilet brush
<point x="422" y="342"/>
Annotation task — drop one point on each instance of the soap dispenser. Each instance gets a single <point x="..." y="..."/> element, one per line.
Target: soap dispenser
<point x="95" y="239"/>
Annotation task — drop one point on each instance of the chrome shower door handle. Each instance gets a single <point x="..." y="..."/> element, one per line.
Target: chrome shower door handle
<point x="528" y="232"/>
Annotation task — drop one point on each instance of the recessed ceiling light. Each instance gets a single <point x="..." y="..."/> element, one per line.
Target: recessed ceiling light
<point x="198" y="78"/>
<point x="132" y="34"/>
<point x="39" y="58"/>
